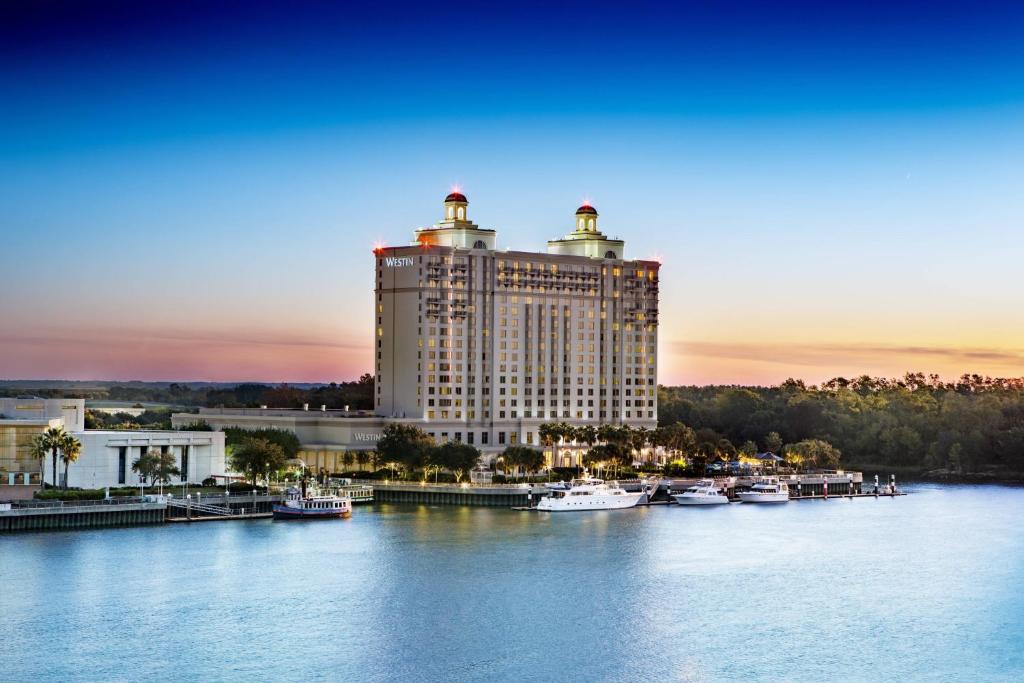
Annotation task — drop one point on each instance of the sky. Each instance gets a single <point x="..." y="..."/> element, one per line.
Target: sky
<point x="192" y="190"/>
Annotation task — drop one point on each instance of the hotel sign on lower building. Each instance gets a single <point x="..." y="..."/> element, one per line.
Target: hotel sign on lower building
<point x="398" y="261"/>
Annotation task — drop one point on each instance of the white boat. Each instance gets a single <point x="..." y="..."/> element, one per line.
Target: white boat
<point x="766" y="490"/>
<point x="705" y="492"/>
<point x="314" y="507"/>
<point x="590" y="494"/>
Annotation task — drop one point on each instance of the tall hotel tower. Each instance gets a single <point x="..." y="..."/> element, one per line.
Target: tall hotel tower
<point x="484" y="346"/>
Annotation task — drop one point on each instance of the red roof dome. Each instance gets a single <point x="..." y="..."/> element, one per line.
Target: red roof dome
<point x="586" y="208"/>
<point x="456" y="197"/>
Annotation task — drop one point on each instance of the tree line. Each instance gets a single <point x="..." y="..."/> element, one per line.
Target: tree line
<point x="917" y="422"/>
<point x="357" y="394"/>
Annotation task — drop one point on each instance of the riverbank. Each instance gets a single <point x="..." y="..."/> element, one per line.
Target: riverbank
<point x="941" y="476"/>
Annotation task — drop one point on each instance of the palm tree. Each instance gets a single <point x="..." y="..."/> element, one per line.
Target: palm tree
<point x="69" y="452"/>
<point x="39" y="449"/>
<point x="587" y="434"/>
<point x="638" y="439"/>
<point x="53" y="438"/>
<point x="362" y="459"/>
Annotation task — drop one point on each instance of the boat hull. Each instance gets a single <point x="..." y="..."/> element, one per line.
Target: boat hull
<point x="283" y="512"/>
<point x="748" y="497"/>
<point x="684" y="499"/>
<point x="568" y="504"/>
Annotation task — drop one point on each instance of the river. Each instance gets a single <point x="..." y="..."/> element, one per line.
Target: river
<point x="923" y="587"/>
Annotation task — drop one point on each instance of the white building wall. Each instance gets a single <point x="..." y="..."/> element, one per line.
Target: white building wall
<point x="70" y="410"/>
<point x="100" y="463"/>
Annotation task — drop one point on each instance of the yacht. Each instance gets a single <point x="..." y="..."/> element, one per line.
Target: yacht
<point x="314" y="507"/>
<point x="705" y="492"/>
<point x="766" y="490"/>
<point x="590" y="494"/>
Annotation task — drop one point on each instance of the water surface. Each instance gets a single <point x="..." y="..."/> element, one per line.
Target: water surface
<point x="924" y="587"/>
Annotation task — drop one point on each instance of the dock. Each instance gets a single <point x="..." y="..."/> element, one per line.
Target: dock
<point x="84" y="514"/>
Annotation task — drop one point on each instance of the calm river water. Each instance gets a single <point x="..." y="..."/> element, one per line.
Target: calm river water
<point x="925" y="587"/>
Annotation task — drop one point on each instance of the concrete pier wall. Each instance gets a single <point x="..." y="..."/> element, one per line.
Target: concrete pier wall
<point x="81" y="517"/>
<point x="453" y="494"/>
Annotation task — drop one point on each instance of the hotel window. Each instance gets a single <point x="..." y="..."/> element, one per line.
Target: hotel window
<point x="122" y="462"/>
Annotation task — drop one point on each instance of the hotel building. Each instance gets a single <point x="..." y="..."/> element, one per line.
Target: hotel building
<point x="481" y="345"/>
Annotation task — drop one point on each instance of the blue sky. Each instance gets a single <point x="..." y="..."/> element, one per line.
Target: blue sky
<point x="191" y="190"/>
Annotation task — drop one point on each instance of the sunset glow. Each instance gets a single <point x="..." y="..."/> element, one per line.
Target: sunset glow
<point x="815" y="215"/>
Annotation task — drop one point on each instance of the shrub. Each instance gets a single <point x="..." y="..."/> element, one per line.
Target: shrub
<point x="71" y="494"/>
<point x="245" y="487"/>
<point x="196" y="426"/>
<point x="209" y="482"/>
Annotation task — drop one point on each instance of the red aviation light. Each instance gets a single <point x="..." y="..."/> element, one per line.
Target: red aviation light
<point x="426" y="240"/>
<point x="378" y="247"/>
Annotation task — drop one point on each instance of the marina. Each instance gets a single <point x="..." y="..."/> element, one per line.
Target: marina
<point x="155" y="509"/>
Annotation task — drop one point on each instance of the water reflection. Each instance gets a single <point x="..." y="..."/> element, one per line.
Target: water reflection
<point x="925" y="585"/>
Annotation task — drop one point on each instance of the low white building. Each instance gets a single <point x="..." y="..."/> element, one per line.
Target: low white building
<point x="107" y="455"/>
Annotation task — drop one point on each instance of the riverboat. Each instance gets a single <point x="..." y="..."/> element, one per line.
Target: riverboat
<point x="314" y="507"/>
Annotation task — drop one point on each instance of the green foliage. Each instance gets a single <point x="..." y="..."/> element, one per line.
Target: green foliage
<point x="196" y="426"/>
<point x="151" y="418"/>
<point x="287" y="441"/>
<point x="522" y="457"/>
<point x="357" y="394"/>
<point x="245" y="487"/>
<point x="85" y="494"/>
<point x="456" y="457"/>
<point x="257" y="458"/>
<point x="209" y="481"/>
<point x="404" y="445"/>
<point x="812" y="453"/>
<point x="156" y="467"/>
<point x="974" y="424"/>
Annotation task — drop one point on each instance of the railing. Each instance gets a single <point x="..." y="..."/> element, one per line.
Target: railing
<point x="463" y="485"/>
<point x="199" y="507"/>
<point x="38" y="504"/>
<point x="83" y="506"/>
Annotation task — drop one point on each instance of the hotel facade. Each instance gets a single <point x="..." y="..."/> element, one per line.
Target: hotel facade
<point x="481" y="345"/>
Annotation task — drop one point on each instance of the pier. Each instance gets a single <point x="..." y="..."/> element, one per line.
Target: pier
<point x="485" y="495"/>
<point x="85" y="514"/>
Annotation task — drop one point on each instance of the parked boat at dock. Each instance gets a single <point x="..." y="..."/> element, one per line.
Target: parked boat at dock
<point x="314" y="507"/>
<point x="590" y="494"/>
<point x="704" y="492"/>
<point x="766" y="490"/>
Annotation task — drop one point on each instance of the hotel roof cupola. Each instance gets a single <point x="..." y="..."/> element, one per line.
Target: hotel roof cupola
<point x="586" y="218"/>
<point x="455" y="229"/>
<point x="456" y="208"/>
<point x="586" y="239"/>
